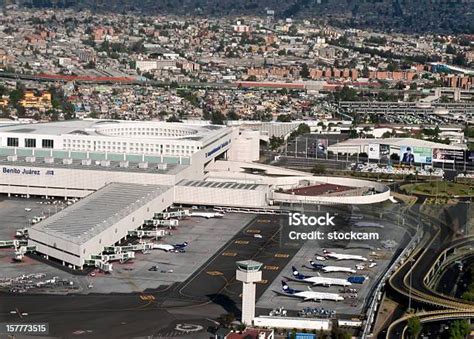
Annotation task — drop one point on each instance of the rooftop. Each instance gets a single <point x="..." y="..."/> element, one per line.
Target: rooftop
<point x="118" y="128"/>
<point x="97" y="212"/>
<point x="220" y="184"/>
<point x="95" y="165"/>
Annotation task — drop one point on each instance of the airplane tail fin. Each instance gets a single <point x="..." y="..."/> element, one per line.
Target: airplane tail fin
<point x="297" y="274"/>
<point x="286" y="288"/>
<point x="183" y="245"/>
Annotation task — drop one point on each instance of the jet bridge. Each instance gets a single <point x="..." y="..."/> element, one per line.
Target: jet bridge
<point x="172" y="214"/>
<point x="123" y="256"/>
<point x="102" y="265"/>
<point x="149" y="234"/>
<point x="145" y="246"/>
<point x="21" y="251"/>
<point x="166" y="223"/>
<point x="13" y="243"/>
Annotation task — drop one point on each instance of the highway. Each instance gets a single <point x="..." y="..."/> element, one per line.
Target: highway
<point x="408" y="282"/>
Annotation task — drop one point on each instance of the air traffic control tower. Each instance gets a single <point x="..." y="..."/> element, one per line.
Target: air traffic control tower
<point x="248" y="271"/>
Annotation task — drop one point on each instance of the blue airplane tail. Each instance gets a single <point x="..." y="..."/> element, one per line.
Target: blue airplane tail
<point x="287" y="289"/>
<point x="297" y="274"/>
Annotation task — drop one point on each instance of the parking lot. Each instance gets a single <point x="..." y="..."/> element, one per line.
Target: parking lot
<point x="380" y="252"/>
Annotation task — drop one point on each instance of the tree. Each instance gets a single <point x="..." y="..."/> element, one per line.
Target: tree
<point x="459" y="329"/>
<point x="318" y="169"/>
<point x="395" y="157"/>
<point x="173" y="118"/>
<point x="252" y="78"/>
<point x="414" y="327"/>
<point x="304" y="73"/>
<point x="284" y="118"/>
<point x="232" y="115"/>
<point x="16" y="95"/>
<point x="217" y="118"/>
<point x="276" y="142"/>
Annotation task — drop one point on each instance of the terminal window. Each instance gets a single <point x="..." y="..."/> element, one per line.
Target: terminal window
<point x="12" y="142"/>
<point x="30" y="143"/>
<point x="48" y="143"/>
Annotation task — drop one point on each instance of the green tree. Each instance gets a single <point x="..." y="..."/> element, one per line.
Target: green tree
<point x="459" y="329"/>
<point x="217" y="118"/>
<point x="275" y="142"/>
<point x="232" y="115"/>
<point x="318" y="169"/>
<point x="284" y="118"/>
<point x="414" y="327"/>
<point x="16" y="95"/>
<point x="304" y="73"/>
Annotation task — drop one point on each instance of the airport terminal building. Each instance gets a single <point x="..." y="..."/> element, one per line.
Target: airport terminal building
<point x="128" y="171"/>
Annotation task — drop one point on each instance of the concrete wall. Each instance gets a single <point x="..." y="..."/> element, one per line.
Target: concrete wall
<point x="245" y="146"/>
<point x="71" y="181"/>
<point x="221" y="197"/>
<point x="298" y="323"/>
<point x="131" y="222"/>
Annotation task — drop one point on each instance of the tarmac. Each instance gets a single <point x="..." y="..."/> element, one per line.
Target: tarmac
<point x="205" y="237"/>
<point x="353" y="304"/>
<point x="205" y="293"/>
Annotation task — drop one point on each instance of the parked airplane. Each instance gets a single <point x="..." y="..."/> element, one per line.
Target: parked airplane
<point x="309" y="295"/>
<point x="206" y="215"/>
<point x="171" y="248"/>
<point x="329" y="269"/>
<point x="339" y="256"/>
<point x="322" y="281"/>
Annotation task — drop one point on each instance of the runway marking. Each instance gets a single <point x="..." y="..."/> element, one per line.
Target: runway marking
<point x="263" y="282"/>
<point x="253" y="231"/>
<point x="148" y="297"/>
<point x="271" y="268"/>
<point x="264" y="220"/>
<point x="229" y="254"/>
<point x="241" y="242"/>
<point x="281" y="255"/>
<point x="214" y="273"/>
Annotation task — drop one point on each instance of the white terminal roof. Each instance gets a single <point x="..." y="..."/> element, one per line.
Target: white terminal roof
<point x="221" y="185"/>
<point x="397" y="142"/>
<point x="95" y="127"/>
<point x="97" y="212"/>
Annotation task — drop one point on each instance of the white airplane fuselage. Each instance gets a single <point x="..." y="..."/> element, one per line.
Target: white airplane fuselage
<point x="339" y="256"/>
<point x="317" y="296"/>
<point x="323" y="281"/>
<point x="329" y="269"/>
